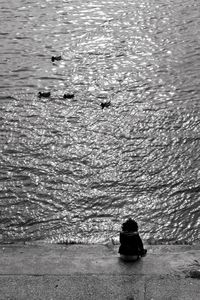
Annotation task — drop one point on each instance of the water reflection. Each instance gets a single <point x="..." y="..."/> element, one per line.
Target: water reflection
<point x="70" y="170"/>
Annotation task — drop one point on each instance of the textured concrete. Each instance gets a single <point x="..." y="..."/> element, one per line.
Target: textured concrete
<point x="172" y="288"/>
<point x="95" y="272"/>
<point x="71" y="287"/>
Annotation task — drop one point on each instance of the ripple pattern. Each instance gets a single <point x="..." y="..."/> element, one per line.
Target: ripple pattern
<point x="72" y="171"/>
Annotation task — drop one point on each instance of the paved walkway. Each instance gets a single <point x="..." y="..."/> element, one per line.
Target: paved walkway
<point x="81" y="272"/>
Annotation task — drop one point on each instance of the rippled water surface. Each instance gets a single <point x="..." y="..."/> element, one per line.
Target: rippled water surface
<point x="70" y="170"/>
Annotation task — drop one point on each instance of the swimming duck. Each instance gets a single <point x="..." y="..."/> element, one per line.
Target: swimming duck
<point x="53" y="58"/>
<point x="105" y="104"/>
<point x="44" y="94"/>
<point x="68" y="96"/>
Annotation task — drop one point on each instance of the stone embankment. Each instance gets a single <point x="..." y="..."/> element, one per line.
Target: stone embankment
<point x="45" y="271"/>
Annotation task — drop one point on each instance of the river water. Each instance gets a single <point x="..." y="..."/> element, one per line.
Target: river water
<point x="72" y="171"/>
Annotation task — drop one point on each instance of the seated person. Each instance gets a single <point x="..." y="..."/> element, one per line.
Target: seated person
<point x="131" y="247"/>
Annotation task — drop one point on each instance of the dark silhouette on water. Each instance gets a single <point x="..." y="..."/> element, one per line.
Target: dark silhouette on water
<point x="131" y="247"/>
<point x="44" y="94"/>
<point x="105" y="104"/>
<point x="68" y="96"/>
<point x="57" y="58"/>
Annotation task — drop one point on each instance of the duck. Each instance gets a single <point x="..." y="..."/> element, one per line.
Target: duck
<point x="57" y="58"/>
<point x="68" y="96"/>
<point x="105" y="104"/>
<point x="44" y="94"/>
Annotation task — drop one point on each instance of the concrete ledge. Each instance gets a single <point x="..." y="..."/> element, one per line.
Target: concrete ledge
<point x="48" y="271"/>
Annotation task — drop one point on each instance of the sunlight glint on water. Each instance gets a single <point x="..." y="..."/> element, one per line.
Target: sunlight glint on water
<point x="70" y="171"/>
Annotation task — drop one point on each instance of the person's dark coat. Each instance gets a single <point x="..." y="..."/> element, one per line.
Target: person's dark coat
<point x="131" y="243"/>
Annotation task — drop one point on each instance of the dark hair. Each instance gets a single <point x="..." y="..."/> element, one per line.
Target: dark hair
<point x="130" y="225"/>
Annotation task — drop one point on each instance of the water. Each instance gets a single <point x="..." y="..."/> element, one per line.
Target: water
<point x="70" y="171"/>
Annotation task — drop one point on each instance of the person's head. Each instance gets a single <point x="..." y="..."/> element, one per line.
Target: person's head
<point x="130" y="225"/>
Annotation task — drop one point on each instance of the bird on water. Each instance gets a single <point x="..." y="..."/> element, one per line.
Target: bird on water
<point x="68" y="96"/>
<point x="57" y="58"/>
<point x="105" y="104"/>
<point x="44" y="94"/>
